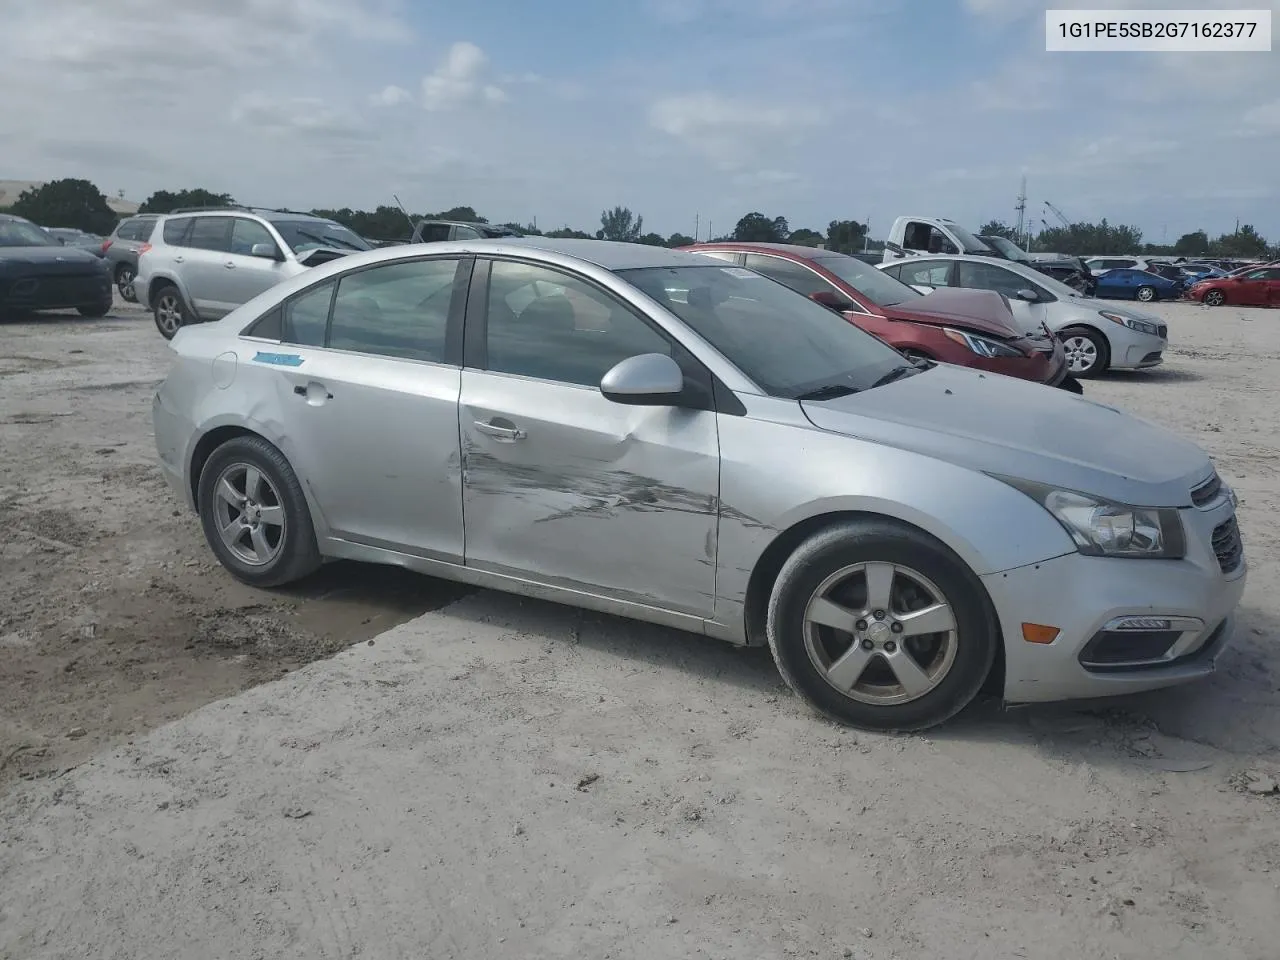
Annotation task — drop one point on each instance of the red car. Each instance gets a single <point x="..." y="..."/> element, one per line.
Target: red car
<point x="971" y="328"/>
<point x="1253" y="288"/>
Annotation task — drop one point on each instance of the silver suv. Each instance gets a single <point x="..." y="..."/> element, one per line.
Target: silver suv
<point x="200" y="264"/>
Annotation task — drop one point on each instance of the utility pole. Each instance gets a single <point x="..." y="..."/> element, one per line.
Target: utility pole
<point x="1021" y="207"/>
<point x="697" y="225"/>
<point x="710" y="235"/>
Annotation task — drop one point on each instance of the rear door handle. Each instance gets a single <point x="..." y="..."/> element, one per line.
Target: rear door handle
<point x="179" y="259"/>
<point x="229" y="265"/>
<point x="500" y="431"/>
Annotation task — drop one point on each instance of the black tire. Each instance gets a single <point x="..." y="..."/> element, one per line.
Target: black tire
<point x="1146" y="293"/>
<point x="95" y="310"/>
<point x="169" y="310"/>
<point x="296" y="554"/>
<point x="1101" y="355"/>
<point x="125" y="275"/>
<point x="1214" y="298"/>
<point x="879" y="540"/>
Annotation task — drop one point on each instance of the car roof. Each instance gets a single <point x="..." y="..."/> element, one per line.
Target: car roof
<point x="13" y="217"/>
<point x="789" y="249"/>
<point x="610" y="254"/>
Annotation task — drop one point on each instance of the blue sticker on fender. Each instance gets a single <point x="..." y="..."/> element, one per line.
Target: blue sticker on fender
<point x="279" y="359"/>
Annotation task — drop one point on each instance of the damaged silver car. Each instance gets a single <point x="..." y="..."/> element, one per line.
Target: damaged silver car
<point x="661" y="436"/>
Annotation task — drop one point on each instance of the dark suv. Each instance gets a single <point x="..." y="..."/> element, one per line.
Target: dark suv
<point x="121" y="251"/>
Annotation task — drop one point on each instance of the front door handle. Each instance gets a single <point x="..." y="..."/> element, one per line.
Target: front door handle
<point x="500" y="431"/>
<point x="229" y="265"/>
<point x="179" y="259"/>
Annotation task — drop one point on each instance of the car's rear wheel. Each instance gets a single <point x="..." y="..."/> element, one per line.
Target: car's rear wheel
<point x="1146" y="293"/>
<point x="1087" y="352"/>
<point x="170" y="311"/>
<point x="125" y="275"/>
<point x="254" y="514"/>
<point x="95" y="309"/>
<point x="1214" y="298"/>
<point x="876" y="624"/>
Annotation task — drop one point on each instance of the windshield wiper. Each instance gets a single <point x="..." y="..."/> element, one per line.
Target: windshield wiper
<point x="895" y="374"/>
<point x="328" y="241"/>
<point x="828" y="392"/>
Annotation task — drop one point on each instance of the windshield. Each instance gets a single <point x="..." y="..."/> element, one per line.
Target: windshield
<point x="1008" y="248"/>
<point x="20" y="233"/>
<point x="876" y="285"/>
<point x="780" y="339"/>
<point x="304" y="235"/>
<point x="967" y="240"/>
<point x="1052" y="284"/>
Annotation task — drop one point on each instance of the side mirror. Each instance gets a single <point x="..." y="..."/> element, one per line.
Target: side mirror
<point x="645" y="380"/>
<point x="1027" y="294"/>
<point x="267" y="251"/>
<point x="831" y="300"/>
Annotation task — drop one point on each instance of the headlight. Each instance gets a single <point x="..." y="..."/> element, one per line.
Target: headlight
<point x="981" y="345"/>
<point x="1102" y="528"/>
<point x="1142" y="326"/>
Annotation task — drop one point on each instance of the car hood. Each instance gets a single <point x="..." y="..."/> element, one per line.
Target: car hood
<point x="45" y="257"/>
<point x="983" y="311"/>
<point x="1016" y="428"/>
<point x="1095" y="304"/>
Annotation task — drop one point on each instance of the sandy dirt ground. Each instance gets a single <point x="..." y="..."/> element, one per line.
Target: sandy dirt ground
<point x="113" y="615"/>
<point x="515" y="779"/>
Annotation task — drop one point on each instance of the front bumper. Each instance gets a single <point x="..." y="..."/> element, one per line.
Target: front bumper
<point x="54" y="291"/>
<point x="1081" y="595"/>
<point x="1132" y="350"/>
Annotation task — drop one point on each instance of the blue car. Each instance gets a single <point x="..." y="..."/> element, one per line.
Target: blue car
<point x="1125" y="284"/>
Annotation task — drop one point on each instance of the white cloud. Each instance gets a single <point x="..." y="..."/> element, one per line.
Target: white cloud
<point x="390" y="96"/>
<point x="459" y="80"/>
<point x="729" y="130"/>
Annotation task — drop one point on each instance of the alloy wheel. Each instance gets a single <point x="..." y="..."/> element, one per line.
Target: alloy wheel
<point x="880" y="633"/>
<point x="1081" y="353"/>
<point x="124" y="283"/>
<point x="168" y="314"/>
<point x="249" y="514"/>
<point x="1215" y="298"/>
<point x="1146" y="294"/>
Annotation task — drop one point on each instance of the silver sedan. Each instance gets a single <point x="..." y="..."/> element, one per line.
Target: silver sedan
<point x="661" y="436"/>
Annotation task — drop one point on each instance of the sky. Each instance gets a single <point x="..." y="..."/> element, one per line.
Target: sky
<point x="678" y="109"/>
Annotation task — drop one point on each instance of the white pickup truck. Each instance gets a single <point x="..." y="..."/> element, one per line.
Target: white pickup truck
<point x="921" y="236"/>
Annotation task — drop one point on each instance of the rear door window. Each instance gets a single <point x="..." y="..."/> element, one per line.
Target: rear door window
<point x="211" y="233"/>
<point x="789" y="273"/>
<point x="926" y="273"/>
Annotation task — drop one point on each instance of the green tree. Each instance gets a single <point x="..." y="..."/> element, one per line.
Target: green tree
<point x="1091" y="239"/>
<point x="998" y="228"/>
<point x="1194" y="244"/>
<point x="565" y="233"/>
<point x="1245" y="242"/>
<point x="163" y="201"/>
<point x="652" y="240"/>
<point x="620" y="224"/>
<point x="807" y="238"/>
<point x="460" y="214"/>
<point x="846" y="236"/>
<point x="382" y="223"/>
<point x="679" y="240"/>
<point x="528" y="229"/>
<point x="757" y="228"/>
<point x="67" y="203"/>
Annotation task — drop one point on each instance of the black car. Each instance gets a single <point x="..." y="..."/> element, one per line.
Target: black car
<point x="1067" y="270"/>
<point x="39" y="273"/>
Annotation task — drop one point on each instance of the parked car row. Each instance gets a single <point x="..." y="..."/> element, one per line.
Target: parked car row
<point x="675" y="437"/>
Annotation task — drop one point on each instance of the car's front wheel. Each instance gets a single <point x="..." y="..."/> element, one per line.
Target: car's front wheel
<point x="254" y="514"/>
<point x="1214" y="298"/>
<point x="876" y="624"/>
<point x="1086" y="350"/>
<point x="125" y="275"/>
<point x="170" y="311"/>
<point x="95" y="309"/>
<point x="1146" y="293"/>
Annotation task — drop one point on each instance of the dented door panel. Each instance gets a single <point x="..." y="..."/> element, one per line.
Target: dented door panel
<point x="567" y="488"/>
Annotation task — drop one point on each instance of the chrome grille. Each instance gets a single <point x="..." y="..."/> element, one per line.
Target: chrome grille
<point x="1207" y="492"/>
<point x="1227" y="545"/>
